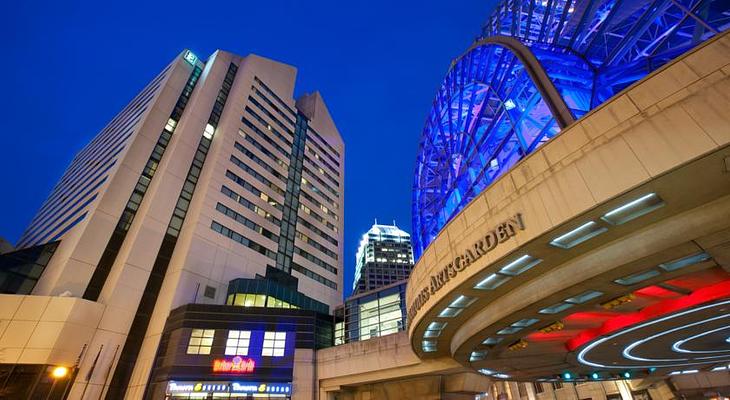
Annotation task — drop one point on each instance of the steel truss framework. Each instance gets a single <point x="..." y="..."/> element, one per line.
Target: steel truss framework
<point x="498" y="101"/>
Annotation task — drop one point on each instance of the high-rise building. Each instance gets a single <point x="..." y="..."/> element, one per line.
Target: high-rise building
<point x="213" y="180"/>
<point x="384" y="256"/>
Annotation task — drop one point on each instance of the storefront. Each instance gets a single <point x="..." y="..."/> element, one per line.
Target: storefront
<point x="221" y="352"/>
<point x="227" y="390"/>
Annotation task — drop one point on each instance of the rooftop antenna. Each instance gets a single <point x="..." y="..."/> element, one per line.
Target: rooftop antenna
<point x="376" y="221"/>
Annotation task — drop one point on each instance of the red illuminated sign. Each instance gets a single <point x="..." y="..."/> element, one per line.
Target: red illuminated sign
<point x="236" y="365"/>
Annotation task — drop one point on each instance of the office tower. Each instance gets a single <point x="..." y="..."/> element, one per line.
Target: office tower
<point x="384" y="256"/>
<point x="212" y="173"/>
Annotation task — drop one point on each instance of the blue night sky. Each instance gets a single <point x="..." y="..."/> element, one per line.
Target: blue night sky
<point x="71" y="66"/>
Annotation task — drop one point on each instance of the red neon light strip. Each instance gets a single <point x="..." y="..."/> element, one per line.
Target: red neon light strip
<point x="699" y="296"/>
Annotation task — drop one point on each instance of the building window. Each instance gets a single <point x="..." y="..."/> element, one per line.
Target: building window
<point x="237" y="343"/>
<point x="201" y="340"/>
<point x="274" y="344"/>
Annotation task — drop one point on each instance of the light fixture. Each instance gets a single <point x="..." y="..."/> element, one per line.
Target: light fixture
<point x="567" y="375"/>
<point x="684" y="262"/>
<point x="637" y="277"/>
<point x="633" y="209"/>
<point x="457" y="306"/>
<point x="492" y="282"/>
<point x="595" y="375"/>
<point x="492" y="341"/>
<point x="584" y="297"/>
<point x="477" y="355"/>
<point x="508" y="330"/>
<point x="520" y="265"/>
<point x="578" y="235"/>
<point x="626" y="375"/>
<point x="509" y="104"/>
<point x="556" y="308"/>
<point x="526" y="322"/>
<point x="59" y="372"/>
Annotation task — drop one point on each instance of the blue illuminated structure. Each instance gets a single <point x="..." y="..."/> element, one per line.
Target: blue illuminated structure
<point x="538" y="66"/>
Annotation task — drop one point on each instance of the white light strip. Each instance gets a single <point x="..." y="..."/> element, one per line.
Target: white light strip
<point x="582" y="354"/>
<point x="563" y="236"/>
<point x="677" y="345"/>
<point x="629" y="204"/>
<point x="627" y="350"/>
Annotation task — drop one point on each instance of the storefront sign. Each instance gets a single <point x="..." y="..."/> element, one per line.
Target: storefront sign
<point x="252" y="387"/>
<point x="468" y="256"/>
<point x="227" y="387"/>
<point x="235" y="365"/>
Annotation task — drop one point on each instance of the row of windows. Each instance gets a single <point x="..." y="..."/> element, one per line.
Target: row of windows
<point x="318" y="217"/>
<point x="72" y="214"/>
<point x="306" y="239"/>
<point x="318" y="231"/>
<point x="325" y="152"/>
<point x="265" y="137"/>
<point x="315" y="259"/>
<point x="60" y="202"/>
<point x="315" y="189"/>
<point x="262" y="149"/>
<point x="36" y="235"/>
<point x="321" y="170"/>
<point x="321" y="206"/>
<point x="186" y="194"/>
<point x="237" y="343"/>
<point x="271" y="92"/>
<point x="83" y="167"/>
<point x="117" y="124"/>
<point x="244" y="184"/>
<point x="263" y="164"/>
<point x="246" y="222"/>
<point x="332" y="149"/>
<point x="270" y="115"/>
<point x="251" y="206"/>
<point x="115" y="133"/>
<point x="111" y="250"/>
<point x="313" y="275"/>
<point x="237" y="237"/>
<point x="264" y="123"/>
<point x="257" y="175"/>
<point x="272" y="105"/>
<point x="257" y="300"/>
<point x="320" y="159"/>
<point x="321" y="182"/>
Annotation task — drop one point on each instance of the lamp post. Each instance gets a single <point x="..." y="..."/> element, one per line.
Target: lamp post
<point x="57" y="373"/>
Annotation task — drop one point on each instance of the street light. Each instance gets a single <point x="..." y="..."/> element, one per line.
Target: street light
<point x="59" y="372"/>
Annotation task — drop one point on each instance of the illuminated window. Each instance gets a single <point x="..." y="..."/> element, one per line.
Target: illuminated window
<point x="237" y="343"/>
<point x="274" y="344"/>
<point x="201" y="340"/>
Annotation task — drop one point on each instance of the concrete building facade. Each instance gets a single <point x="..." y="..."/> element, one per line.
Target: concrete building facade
<point x="214" y="172"/>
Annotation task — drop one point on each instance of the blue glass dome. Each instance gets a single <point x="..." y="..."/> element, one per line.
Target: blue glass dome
<point x="538" y="66"/>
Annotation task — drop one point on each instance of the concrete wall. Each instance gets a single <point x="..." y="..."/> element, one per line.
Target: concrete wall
<point x="46" y="329"/>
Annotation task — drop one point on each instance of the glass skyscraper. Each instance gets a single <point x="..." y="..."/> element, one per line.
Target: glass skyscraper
<point x="384" y="256"/>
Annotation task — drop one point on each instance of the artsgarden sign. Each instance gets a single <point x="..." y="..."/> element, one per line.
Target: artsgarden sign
<point x="468" y="256"/>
